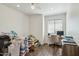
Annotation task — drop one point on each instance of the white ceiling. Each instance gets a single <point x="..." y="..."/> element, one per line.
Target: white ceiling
<point x="41" y="8"/>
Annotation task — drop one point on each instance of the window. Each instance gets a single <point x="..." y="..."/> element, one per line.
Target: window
<point x="51" y="26"/>
<point x="55" y="25"/>
<point x="58" y="25"/>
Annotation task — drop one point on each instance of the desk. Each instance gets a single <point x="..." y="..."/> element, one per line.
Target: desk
<point x="55" y="39"/>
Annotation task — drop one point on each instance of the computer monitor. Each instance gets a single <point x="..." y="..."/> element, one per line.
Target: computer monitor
<point x="60" y="33"/>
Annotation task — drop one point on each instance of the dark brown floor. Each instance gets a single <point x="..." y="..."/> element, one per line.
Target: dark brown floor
<point x="46" y="50"/>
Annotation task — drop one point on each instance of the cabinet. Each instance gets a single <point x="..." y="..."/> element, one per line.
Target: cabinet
<point x="70" y="50"/>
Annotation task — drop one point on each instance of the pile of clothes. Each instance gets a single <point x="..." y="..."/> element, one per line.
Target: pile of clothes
<point x="32" y="40"/>
<point x="4" y="43"/>
<point x="33" y="43"/>
<point x="24" y="49"/>
<point x="28" y="44"/>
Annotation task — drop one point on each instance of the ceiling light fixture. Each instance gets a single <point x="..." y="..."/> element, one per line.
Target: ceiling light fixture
<point x="18" y="6"/>
<point x="32" y="6"/>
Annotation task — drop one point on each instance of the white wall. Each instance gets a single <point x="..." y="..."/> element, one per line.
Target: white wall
<point x="11" y="19"/>
<point x="72" y="26"/>
<point x="36" y="26"/>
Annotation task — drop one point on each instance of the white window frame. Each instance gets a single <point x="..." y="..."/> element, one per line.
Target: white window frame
<point x="55" y="25"/>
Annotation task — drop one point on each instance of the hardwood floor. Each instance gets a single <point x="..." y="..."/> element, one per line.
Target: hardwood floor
<point x="46" y="50"/>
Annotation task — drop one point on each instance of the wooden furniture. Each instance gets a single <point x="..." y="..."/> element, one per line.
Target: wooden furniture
<point x="70" y="50"/>
<point x="55" y="39"/>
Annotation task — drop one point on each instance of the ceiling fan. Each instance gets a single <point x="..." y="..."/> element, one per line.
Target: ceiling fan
<point x="35" y="6"/>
